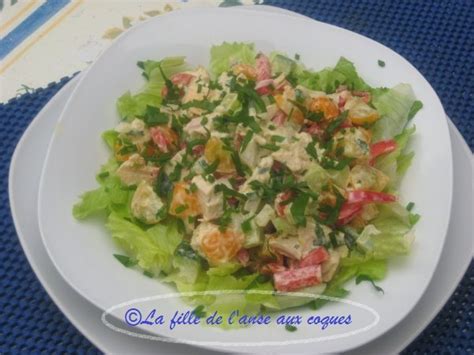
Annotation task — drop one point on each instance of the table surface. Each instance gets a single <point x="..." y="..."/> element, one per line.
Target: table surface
<point x="437" y="37"/>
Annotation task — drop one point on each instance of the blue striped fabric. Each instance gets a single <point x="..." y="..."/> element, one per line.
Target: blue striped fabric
<point x="28" y="26"/>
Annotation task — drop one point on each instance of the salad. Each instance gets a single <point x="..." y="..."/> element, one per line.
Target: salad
<point x="257" y="174"/>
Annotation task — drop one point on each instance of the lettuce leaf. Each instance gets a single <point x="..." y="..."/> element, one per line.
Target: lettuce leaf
<point x="396" y="163"/>
<point x="394" y="106"/>
<point x="110" y="196"/>
<point x="228" y="54"/>
<point x="153" y="248"/>
<point x="130" y="106"/>
<point x="91" y="203"/>
<point x="328" y="80"/>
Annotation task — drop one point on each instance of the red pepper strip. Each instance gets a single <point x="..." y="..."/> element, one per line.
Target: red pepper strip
<point x="295" y="279"/>
<point x="361" y="196"/>
<point x="314" y="257"/>
<point x="264" y="72"/>
<point x="348" y="212"/>
<point x="380" y="148"/>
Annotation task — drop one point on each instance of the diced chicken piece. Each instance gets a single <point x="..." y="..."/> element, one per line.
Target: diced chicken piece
<point x="288" y="246"/>
<point x="251" y="154"/>
<point x="369" y="211"/>
<point x="216" y="246"/>
<point x="198" y="126"/>
<point x="261" y="174"/>
<point x="355" y="142"/>
<point x="296" y="279"/>
<point x="197" y="88"/>
<point x="146" y="203"/>
<point x="136" y="131"/>
<point x="360" y="112"/>
<point x="264" y="216"/>
<point x="177" y="158"/>
<point x="212" y="203"/>
<point x="340" y="98"/>
<point x="329" y="266"/>
<point x="252" y="203"/>
<point x="293" y="153"/>
<point x="284" y="103"/>
<point x="267" y="116"/>
<point x="134" y="170"/>
<point x="365" y="177"/>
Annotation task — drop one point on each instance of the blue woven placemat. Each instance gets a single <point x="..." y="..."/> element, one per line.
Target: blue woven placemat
<point x="437" y="37"/>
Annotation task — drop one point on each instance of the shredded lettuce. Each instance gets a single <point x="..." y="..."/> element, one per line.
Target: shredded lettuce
<point x="228" y="54"/>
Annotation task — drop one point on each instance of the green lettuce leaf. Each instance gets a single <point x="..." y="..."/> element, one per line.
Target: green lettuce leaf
<point x="153" y="248"/>
<point x="228" y="54"/>
<point x="396" y="163"/>
<point x="328" y="80"/>
<point x="130" y="106"/>
<point x="394" y="106"/>
<point x="91" y="203"/>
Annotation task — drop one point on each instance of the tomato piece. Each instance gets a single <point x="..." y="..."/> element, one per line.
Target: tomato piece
<point x="314" y="129"/>
<point x="324" y="105"/>
<point x="220" y="247"/>
<point x="348" y="212"/>
<point x="182" y="196"/>
<point x="382" y="147"/>
<point x="264" y="68"/>
<point x="361" y="196"/>
<point x="243" y="256"/>
<point x="279" y="118"/>
<point x="315" y="257"/>
<point x="181" y="79"/>
<point x="364" y="95"/>
<point x="280" y="205"/>
<point x="264" y="74"/>
<point x="163" y="137"/>
<point x="294" y="279"/>
<point x="272" y="268"/>
<point x="198" y="150"/>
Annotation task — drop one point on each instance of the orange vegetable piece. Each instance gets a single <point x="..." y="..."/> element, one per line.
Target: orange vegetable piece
<point x="182" y="196"/>
<point x="220" y="247"/>
<point x="214" y="150"/>
<point x="324" y="105"/>
<point x="247" y="70"/>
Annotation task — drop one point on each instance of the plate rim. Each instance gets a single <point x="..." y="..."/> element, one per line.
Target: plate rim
<point x="123" y="37"/>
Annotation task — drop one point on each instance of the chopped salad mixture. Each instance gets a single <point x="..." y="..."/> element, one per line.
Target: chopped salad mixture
<point x="257" y="174"/>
